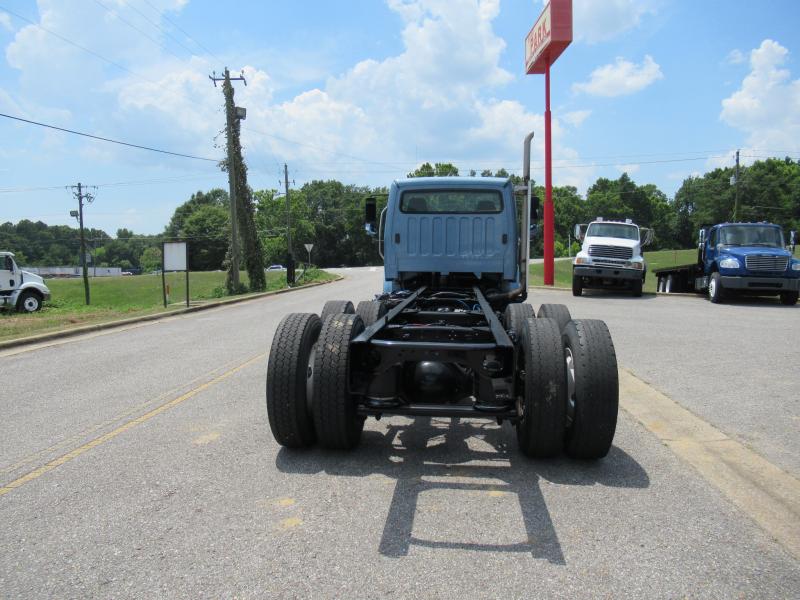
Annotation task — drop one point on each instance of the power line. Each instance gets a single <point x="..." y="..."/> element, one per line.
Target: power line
<point x="159" y="27"/>
<point x="114" y="184"/>
<point x="116" y="15"/>
<point x="183" y="31"/>
<point x="104" y="139"/>
<point x="76" y="45"/>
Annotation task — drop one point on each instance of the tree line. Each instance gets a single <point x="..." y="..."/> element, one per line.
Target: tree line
<point x="329" y="215"/>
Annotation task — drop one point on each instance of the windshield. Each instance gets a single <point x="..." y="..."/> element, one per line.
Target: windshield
<point x="451" y="201"/>
<point x="751" y="235"/>
<point x="615" y="230"/>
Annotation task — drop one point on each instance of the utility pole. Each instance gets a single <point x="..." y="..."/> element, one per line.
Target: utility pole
<point x="290" y="256"/>
<point x="81" y="196"/>
<point x="231" y="116"/>
<point x="736" y="200"/>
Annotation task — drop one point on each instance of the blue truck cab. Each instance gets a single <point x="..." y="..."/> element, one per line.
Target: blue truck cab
<point x="738" y="258"/>
<point x="446" y="230"/>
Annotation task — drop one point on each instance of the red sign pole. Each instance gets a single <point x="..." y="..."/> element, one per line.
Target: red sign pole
<point x="549" y="263"/>
<point x="545" y="42"/>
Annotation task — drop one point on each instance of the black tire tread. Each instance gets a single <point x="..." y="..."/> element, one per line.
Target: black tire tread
<point x="370" y="311"/>
<point x="558" y="312"/>
<point x="287" y="407"/>
<point x="541" y="432"/>
<point x="28" y="294"/>
<point x="577" y="285"/>
<point x="336" y="307"/>
<point x="596" y="389"/>
<point x="515" y="315"/>
<point x="335" y="419"/>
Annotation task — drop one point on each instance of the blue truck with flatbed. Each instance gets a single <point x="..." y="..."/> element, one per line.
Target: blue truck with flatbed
<point x="738" y="259"/>
<point x="450" y="335"/>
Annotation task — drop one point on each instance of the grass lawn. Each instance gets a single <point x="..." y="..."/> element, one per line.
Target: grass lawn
<point x="116" y="298"/>
<point x="655" y="260"/>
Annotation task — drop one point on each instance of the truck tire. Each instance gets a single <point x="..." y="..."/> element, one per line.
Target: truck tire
<point x="29" y="302"/>
<point x="540" y="432"/>
<point x="515" y="315"/>
<point x="660" y="285"/>
<point x="558" y="312"/>
<point x="577" y="285"/>
<point x="592" y="389"/>
<point x="289" y="368"/>
<point x="370" y="311"/>
<point x="636" y="288"/>
<point x="716" y="293"/>
<point x="335" y="419"/>
<point x="789" y="298"/>
<point x="337" y="307"/>
<point x="669" y="284"/>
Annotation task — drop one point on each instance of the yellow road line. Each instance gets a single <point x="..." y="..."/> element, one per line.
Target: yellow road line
<point x="91" y="429"/>
<point x="766" y="493"/>
<point x="36" y="473"/>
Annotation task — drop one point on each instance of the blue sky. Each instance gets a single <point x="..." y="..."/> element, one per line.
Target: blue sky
<point x="364" y="91"/>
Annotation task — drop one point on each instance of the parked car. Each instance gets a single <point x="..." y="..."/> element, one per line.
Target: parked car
<point x="276" y="268"/>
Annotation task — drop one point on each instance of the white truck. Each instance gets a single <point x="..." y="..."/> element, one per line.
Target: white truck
<point x="611" y="256"/>
<point x="20" y="289"/>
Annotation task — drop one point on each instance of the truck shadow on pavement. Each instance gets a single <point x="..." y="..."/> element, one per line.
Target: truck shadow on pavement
<point x="441" y="454"/>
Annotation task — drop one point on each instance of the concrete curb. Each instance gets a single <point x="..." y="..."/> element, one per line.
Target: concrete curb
<point x="64" y="333"/>
<point x="565" y="289"/>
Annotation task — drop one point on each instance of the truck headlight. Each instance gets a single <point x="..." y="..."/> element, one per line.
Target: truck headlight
<point x="634" y="265"/>
<point x="729" y="263"/>
<point x="796" y="266"/>
<point x="582" y="260"/>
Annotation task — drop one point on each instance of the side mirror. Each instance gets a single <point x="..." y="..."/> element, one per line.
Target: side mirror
<point x="792" y="238"/>
<point x="648" y="236"/>
<point x="534" y="208"/>
<point x="370" y="215"/>
<point x="701" y="236"/>
<point x="577" y="233"/>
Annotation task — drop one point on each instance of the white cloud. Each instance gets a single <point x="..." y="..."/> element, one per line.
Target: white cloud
<point x="736" y="57"/>
<point x="602" y="20"/>
<point x="437" y="99"/>
<point x="621" y="78"/>
<point x="576" y="117"/>
<point x="5" y="21"/>
<point x="767" y="105"/>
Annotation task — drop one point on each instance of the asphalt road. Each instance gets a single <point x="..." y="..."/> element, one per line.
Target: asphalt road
<point x="138" y="463"/>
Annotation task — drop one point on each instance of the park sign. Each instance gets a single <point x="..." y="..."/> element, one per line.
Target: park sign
<point x="548" y="38"/>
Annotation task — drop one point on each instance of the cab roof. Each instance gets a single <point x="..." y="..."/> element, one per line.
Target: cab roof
<point x="428" y="183"/>
<point x="11" y="254"/>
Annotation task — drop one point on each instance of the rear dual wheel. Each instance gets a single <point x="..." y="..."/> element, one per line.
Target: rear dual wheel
<point x="308" y="382"/>
<point x="592" y="388"/>
<point x="290" y="380"/>
<point x="337" y="307"/>
<point x="570" y="386"/>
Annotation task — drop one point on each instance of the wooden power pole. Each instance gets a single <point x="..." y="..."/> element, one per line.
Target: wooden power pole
<point x="81" y="197"/>
<point x="230" y="119"/>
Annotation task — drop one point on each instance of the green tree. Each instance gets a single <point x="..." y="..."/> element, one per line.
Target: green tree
<point x="438" y="170"/>
<point x="150" y="260"/>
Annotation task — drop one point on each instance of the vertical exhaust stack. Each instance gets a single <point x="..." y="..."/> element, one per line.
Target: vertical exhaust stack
<point x="525" y="239"/>
<point x="526" y="158"/>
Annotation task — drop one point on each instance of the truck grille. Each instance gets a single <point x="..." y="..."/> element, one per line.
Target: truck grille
<point x="766" y="263"/>
<point x="611" y="251"/>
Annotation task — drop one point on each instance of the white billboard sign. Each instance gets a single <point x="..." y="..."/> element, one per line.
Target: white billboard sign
<point x="175" y="256"/>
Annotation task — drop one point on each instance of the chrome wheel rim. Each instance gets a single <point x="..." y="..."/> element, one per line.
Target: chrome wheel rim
<point x="570" y="363"/>
<point x="310" y="376"/>
<point x="30" y="304"/>
<point x="712" y="288"/>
